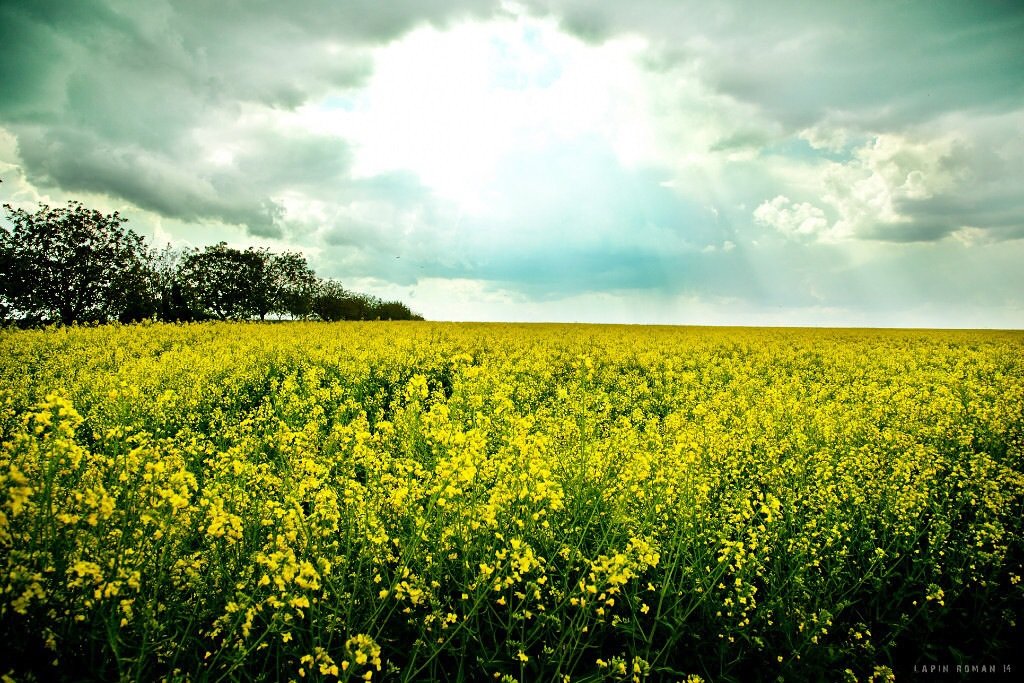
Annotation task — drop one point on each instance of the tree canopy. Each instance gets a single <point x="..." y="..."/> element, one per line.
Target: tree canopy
<point x="74" y="264"/>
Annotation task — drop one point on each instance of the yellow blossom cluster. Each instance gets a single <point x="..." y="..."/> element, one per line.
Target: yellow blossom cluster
<point x="427" y="501"/>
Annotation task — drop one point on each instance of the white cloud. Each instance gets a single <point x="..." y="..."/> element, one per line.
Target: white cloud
<point x="872" y="194"/>
<point x="801" y="220"/>
<point x="867" y="192"/>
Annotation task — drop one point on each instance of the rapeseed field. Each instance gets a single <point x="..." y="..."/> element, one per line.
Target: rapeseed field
<point x="427" y="501"/>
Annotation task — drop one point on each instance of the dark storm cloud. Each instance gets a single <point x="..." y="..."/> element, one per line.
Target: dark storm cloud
<point x="108" y="96"/>
<point x="78" y="160"/>
<point x="889" y="63"/>
<point x="999" y="215"/>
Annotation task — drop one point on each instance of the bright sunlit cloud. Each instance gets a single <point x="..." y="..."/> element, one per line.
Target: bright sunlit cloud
<point x="450" y="105"/>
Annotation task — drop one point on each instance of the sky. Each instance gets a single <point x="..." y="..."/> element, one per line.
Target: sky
<point x="656" y="161"/>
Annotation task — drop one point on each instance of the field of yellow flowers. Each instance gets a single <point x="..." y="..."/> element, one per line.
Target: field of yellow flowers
<point x="426" y="501"/>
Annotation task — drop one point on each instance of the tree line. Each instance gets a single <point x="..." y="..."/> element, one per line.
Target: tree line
<point x="76" y="265"/>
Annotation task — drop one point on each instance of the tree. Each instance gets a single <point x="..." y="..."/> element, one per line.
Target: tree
<point x="223" y="282"/>
<point x="172" y="292"/>
<point x="232" y="284"/>
<point x="72" y="264"/>
<point x="333" y="302"/>
<point x="393" y="310"/>
<point x="293" y="284"/>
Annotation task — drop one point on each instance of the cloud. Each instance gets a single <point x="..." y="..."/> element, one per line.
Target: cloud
<point x="235" y="180"/>
<point x="922" y="186"/>
<point x="885" y="174"/>
<point x="450" y="105"/>
<point x="892" y="65"/>
<point x="128" y="99"/>
<point x="545" y="155"/>
<point x="792" y="220"/>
